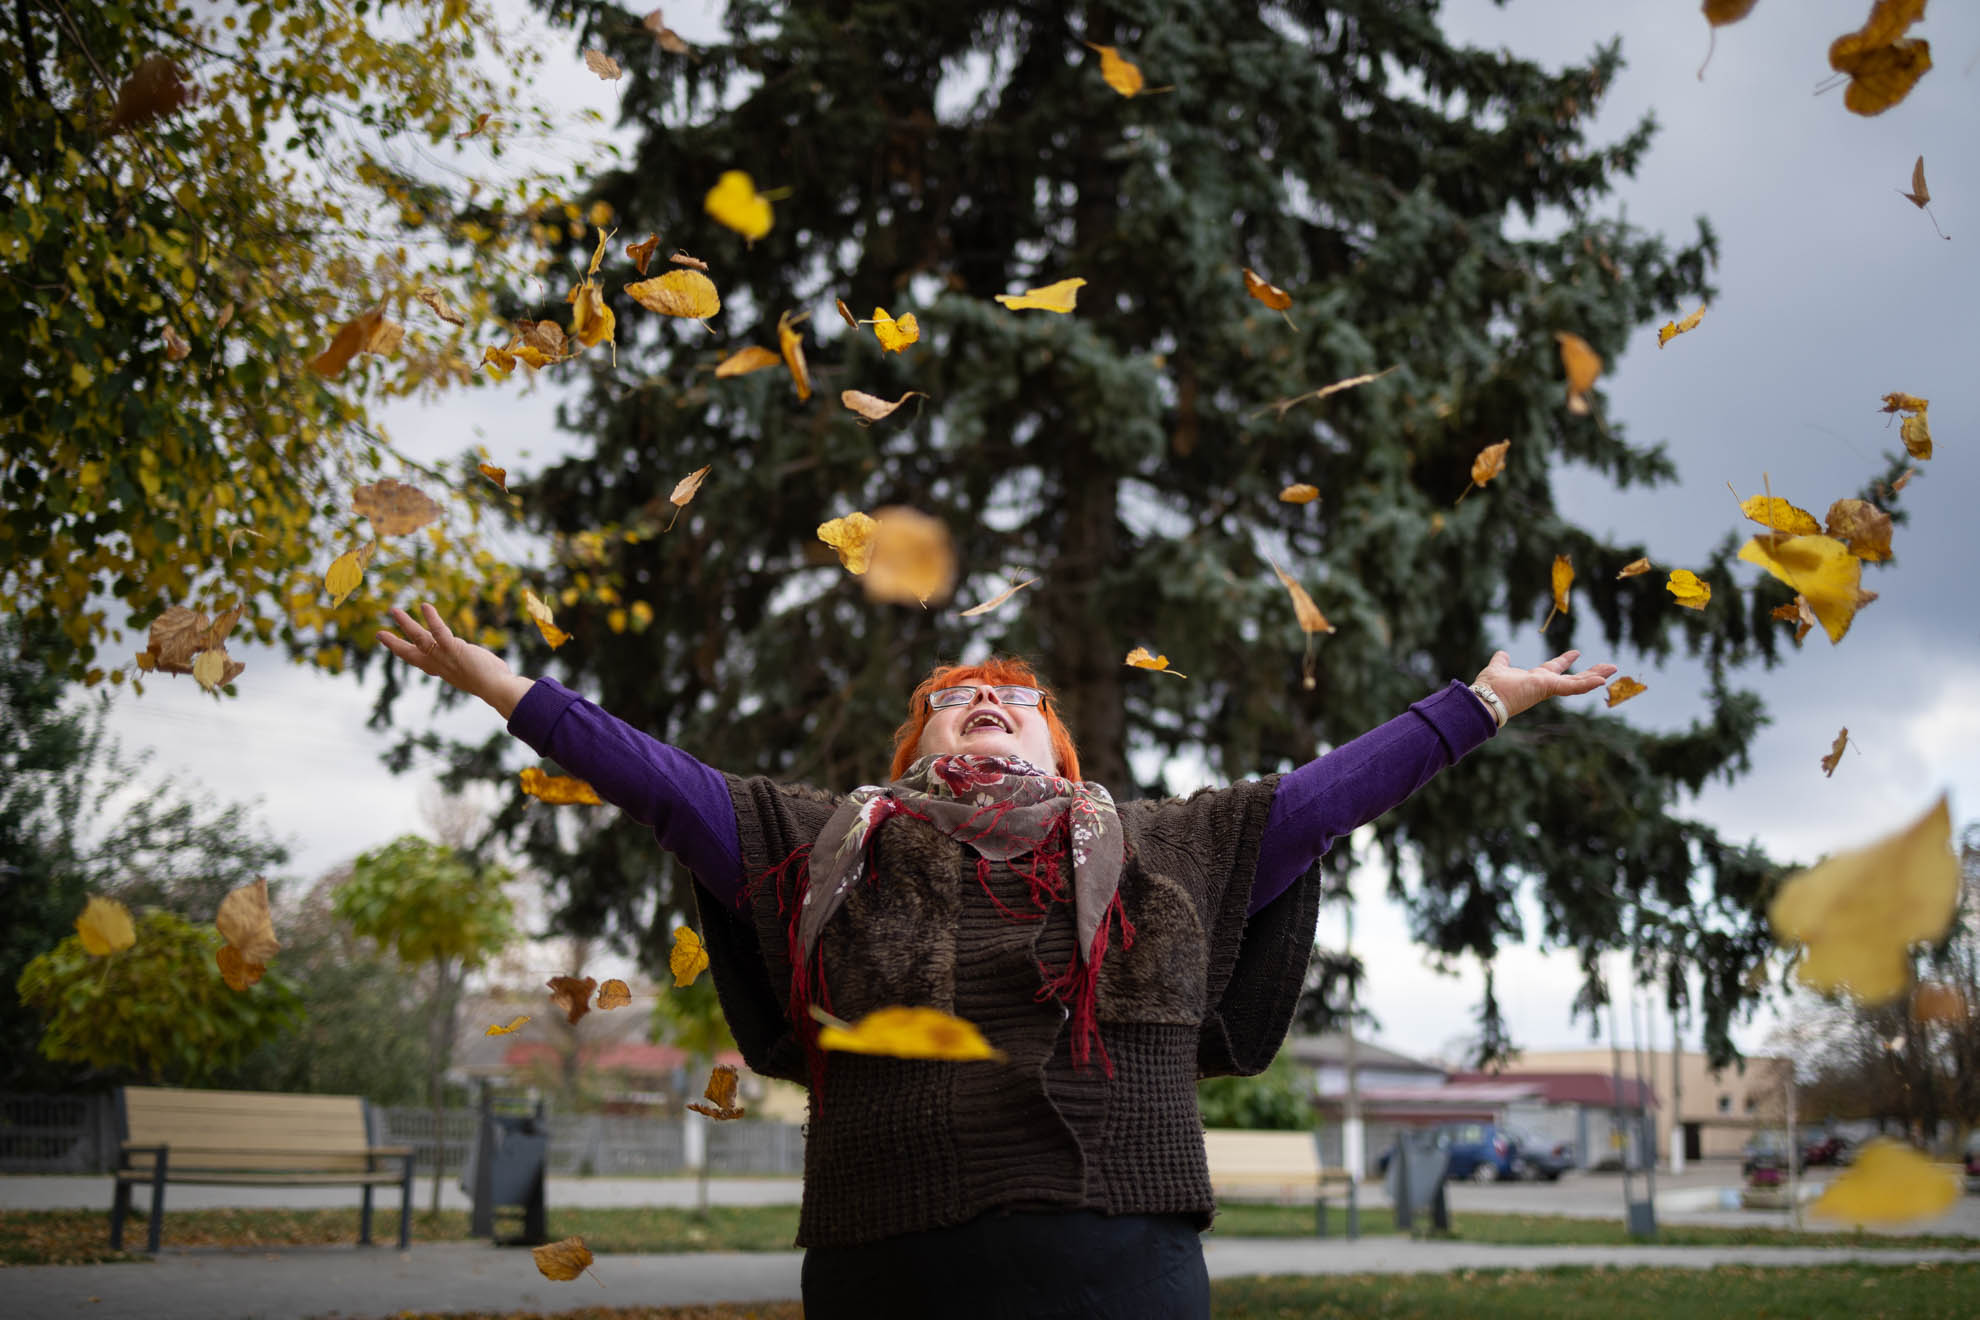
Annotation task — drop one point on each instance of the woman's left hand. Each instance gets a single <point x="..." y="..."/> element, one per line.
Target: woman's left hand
<point x="1523" y="689"/>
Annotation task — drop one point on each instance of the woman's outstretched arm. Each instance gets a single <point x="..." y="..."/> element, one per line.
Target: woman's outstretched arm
<point x="1358" y="782"/>
<point x="684" y="802"/>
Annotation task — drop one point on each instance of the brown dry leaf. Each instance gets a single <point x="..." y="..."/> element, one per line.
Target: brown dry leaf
<point x="1919" y="196"/>
<point x="436" y="302"/>
<point x="905" y="1033"/>
<point x="546" y="337"/>
<point x="845" y="313"/>
<point x="1311" y="620"/>
<point x="683" y="293"/>
<point x="684" y="490"/>
<point x="721" y="1095"/>
<point x="1623" y="688"/>
<point x="347" y="343"/>
<point x="346" y="571"/>
<point x="156" y="87"/>
<point x="791" y="344"/>
<point x="563" y="1261"/>
<point x="1489" y="463"/>
<point x="385" y="338"/>
<point x="1563" y="581"/>
<point x="1581" y="365"/>
<point x="852" y="537"/>
<point x="1300" y="493"/>
<point x="1121" y="75"/>
<point x="1265" y="291"/>
<point x="237" y="969"/>
<point x="995" y="600"/>
<point x="1775" y="513"/>
<point x="1284" y="406"/>
<point x="693" y="263"/>
<point x="688" y="958"/>
<point x="514" y="1025"/>
<point x="475" y="129"/>
<point x="1721" y="12"/>
<point x="1863" y="527"/>
<point x="1141" y="659"/>
<point x="1672" y="329"/>
<point x="546" y="623"/>
<point x="394" y="507"/>
<point x="614" y="994"/>
<point x="1634" y="568"/>
<point x="669" y="40"/>
<point x="1060" y="297"/>
<point x="245" y="922"/>
<point x="105" y="927"/>
<point x="1882" y="63"/>
<point x="1935" y="1001"/>
<point x="1796" y="612"/>
<point x="1897" y="401"/>
<point x="572" y="994"/>
<point x="913" y="558"/>
<point x="745" y="360"/>
<point x="1834" y="758"/>
<point x="603" y="65"/>
<point x="871" y="407"/>
<point x="642" y="252"/>
<point x="179" y="635"/>
<point x="500" y="476"/>
<point x="559" y="790"/>
<point x="176" y="347"/>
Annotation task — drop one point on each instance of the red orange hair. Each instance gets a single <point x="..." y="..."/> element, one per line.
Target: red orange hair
<point x="996" y="671"/>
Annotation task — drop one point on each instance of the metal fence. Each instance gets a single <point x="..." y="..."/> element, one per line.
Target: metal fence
<point x="57" y="1133"/>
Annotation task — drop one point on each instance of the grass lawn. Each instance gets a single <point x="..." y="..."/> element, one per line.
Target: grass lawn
<point x="1846" y="1292"/>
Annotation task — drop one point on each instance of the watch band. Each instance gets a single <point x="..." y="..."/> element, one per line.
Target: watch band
<point x="1493" y="702"/>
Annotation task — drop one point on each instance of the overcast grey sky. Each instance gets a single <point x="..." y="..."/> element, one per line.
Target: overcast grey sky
<point x="1833" y="291"/>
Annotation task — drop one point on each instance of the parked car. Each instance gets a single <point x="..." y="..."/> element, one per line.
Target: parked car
<point x="1486" y="1152"/>
<point x="1825" y="1148"/>
<point x="1764" y="1151"/>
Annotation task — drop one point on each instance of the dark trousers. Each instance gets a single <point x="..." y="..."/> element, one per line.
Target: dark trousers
<point x="1006" y="1266"/>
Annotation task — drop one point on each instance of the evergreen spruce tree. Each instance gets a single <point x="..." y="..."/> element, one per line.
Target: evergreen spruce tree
<point x="1433" y="210"/>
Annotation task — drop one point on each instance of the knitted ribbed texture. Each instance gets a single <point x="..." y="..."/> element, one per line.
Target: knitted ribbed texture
<point x="898" y="1146"/>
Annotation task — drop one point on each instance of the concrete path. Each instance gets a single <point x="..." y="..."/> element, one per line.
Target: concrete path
<point x="378" y="1282"/>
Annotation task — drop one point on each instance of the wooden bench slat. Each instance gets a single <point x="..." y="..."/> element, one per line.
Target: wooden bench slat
<point x="227" y="1177"/>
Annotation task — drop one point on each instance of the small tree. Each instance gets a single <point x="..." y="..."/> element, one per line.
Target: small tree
<point x="1277" y="1099"/>
<point x="157" y="1012"/>
<point x="436" y="908"/>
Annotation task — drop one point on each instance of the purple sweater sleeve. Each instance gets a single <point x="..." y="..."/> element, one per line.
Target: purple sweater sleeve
<point x="685" y="803"/>
<point x="1338" y="793"/>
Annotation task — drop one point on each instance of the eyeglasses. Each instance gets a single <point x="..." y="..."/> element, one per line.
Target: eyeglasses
<point x="1010" y="695"/>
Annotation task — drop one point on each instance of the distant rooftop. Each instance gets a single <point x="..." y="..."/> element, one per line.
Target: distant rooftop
<point x="1330" y="1047"/>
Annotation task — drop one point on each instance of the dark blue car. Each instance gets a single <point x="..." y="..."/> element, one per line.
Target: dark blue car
<point x="1486" y="1152"/>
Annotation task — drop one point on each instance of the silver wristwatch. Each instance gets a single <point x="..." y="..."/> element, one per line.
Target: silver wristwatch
<point x="1493" y="702"/>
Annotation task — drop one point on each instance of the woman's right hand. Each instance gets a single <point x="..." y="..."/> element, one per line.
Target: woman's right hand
<point x="433" y="649"/>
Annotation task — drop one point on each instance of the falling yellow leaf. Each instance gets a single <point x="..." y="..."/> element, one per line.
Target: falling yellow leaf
<point x="1834" y="758"/>
<point x="393" y="507"/>
<point x="1489" y="463"/>
<point x="1268" y="293"/>
<point x="603" y="65"/>
<point x="563" y="1261"/>
<point x="347" y="343"/>
<point x="515" y="1024"/>
<point x="995" y="600"/>
<point x="1858" y="913"/>
<point x="734" y="202"/>
<point x="852" y="537"/>
<point x="1300" y="493"/>
<point x="209" y="669"/>
<point x="905" y="1033"/>
<point x="436" y="301"/>
<point x="592" y="321"/>
<point x="1311" y="620"/>
<point x="1672" y="329"/>
<point x="500" y="476"/>
<point x="572" y="994"/>
<point x="1581" y="365"/>
<point x="745" y="360"/>
<point x="871" y="407"/>
<point x="1882" y="63"/>
<point x="1057" y="297"/>
<point x="684" y="293"/>
<point x="346" y="571"/>
<point x="1774" y="512"/>
<point x="1721" y="12"/>
<point x="894" y="335"/>
<point x="641" y="253"/>
<point x="684" y="490"/>
<point x="614" y="994"/>
<point x="238" y="970"/>
<point x="385" y="338"/>
<point x="1863" y="527"/>
<point x="105" y="927"/>
<point x="1916" y="432"/>
<point x="1563" y="580"/>
<point x="1897" y="401"/>
<point x="245" y="922"/>
<point x="1634" y="568"/>
<point x="1121" y="75"/>
<point x="720" y="1095"/>
<point x="914" y="559"/>
<point x="545" y="622"/>
<point x="688" y="958"/>
<point x="559" y="790"/>
<point x="1688" y="589"/>
<point x="1141" y="659"/>
<point x="499" y="361"/>
<point x="1820" y="568"/>
<point x="1889" y="1183"/>
<point x="791" y="344"/>
<point x="1623" y="688"/>
<point x="176" y="347"/>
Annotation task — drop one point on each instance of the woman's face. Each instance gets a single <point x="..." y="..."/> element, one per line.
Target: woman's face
<point x="989" y="727"/>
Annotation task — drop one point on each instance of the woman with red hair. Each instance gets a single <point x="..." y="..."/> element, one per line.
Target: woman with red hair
<point x="1112" y="953"/>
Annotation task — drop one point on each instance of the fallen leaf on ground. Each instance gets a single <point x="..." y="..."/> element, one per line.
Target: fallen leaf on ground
<point x="995" y="600"/>
<point x="514" y="1025"/>
<point x="688" y="958"/>
<point x="1834" y="758"/>
<point x="559" y="790"/>
<point x="1821" y="569"/>
<point x="745" y="360"/>
<point x="1623" y="688"/>
<point x="1140" y="658"/>
<point x="735" y="202"/>
<point x="791" y="344"/>
<point x="1889" y="1183"/>
<point x="614" y="994"/>
<point x="1056" y="297"/>
<point x="1858" y="913"/>
<point x="1688" y="589"/>
<point x="1634" y="568"/>
<point x="1581" y="365"/>
<point x="245" y="922"/>
<point x="1672" y="329"/>
<point x="563" y="1261"/>
<point x="237" y="969"/>
<point x="1121" y="74"/>
<point x="394" y="507"/>
<point x="871" y="407"/>
<point x="852" y="537"/>
<point x="721" y="1095"/>
<point x="905" y="1033"/>
<point x="105" y="927"/>
<point x="546" y="623"/>
<point x="1300" y="493"/>
<point x="572" y="994"/>
<point x="684" y="293"/>
<point x="603" y="65"/>
<point x="914" y="559"/>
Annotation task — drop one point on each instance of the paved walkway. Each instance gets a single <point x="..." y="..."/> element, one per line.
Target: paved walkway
<point x="376" y="1282"/>
<point x="47" y="1192"/>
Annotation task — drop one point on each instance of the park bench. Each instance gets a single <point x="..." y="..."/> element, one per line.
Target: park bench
<point x="251" y="1139"/>
<point x="1280" y="1168"/>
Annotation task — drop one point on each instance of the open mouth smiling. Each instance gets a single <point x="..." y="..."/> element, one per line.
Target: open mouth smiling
<point x="987" y="719"/>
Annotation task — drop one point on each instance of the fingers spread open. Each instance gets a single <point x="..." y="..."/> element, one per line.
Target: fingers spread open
<point x="441" y="633"/>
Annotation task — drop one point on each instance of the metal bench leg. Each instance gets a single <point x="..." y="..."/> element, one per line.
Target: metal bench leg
<point x="364" y="1219"/>
<point x="120" y="1208"/>
<point x="405" y="1206"/>
<point x="156" y="1226"/>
